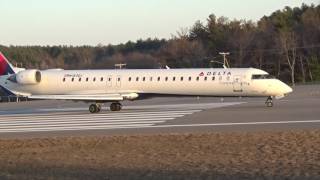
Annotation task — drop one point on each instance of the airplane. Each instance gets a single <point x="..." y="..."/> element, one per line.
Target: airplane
<point x="115" y="85"/>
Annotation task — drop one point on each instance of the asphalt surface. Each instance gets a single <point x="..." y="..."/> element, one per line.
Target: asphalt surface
<point x="300" y="110"/>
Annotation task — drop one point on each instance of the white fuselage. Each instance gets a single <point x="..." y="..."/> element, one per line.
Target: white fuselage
<point x="198" y="82"/>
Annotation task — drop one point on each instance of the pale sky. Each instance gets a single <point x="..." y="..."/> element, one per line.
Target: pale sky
<point x="90" y="22"/>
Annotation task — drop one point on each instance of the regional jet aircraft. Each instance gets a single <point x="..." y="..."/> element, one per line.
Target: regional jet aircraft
<point x="113" y="86"/>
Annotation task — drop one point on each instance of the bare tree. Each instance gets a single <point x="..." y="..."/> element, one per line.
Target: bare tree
<point x="289" y="42"/>
<point x="309" y="70"/>
<point x="303" y="72"/>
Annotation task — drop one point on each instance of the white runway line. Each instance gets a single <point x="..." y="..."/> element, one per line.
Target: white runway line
<point x="56" y="120"/>
<point x="76" y="120"/>
<point x="236" y="124"/>
<point x="63" y="122"/>
<point x="142" y="108"/>
<point x="109" y="114"/>
<point x="106" y="116"/>
<point x="84" y="124"/>
<point x="93" y="127"/>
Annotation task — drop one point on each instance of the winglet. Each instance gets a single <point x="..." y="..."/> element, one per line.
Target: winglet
<point x="5" y="67"/>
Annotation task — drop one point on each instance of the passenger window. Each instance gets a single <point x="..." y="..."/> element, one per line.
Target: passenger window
<point x="72" y="79"/>
<point x="213" y="78"/>
<point x="174" y="79"/>
<point x="150" y="78"/>
<point x="87" y="79"/>
<point x="262" y="76"/>
<point x="158" y="78"/>
<point x="79" y="79"/>
<point x="206" y="78"/>
<point x="109" y="79"/>
<point x="101" y="79"/>
<point x="119" y="79"/>
<point x="198" y="78"/>
<point x="64" y="79"/>
<point x="190" y="78"/>
<point x="181" y="78"/>
<point x="129" y="78"/>
<point x="166" y="79"/>
<point x="137" y="78"/>
<point x="144" y="79"/>
<point x="94" y="79"/>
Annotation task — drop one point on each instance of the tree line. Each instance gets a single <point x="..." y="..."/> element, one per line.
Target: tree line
<point x="285" y="44"/>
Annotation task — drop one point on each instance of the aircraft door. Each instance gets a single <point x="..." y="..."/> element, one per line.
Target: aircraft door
<point x="109" y="81"/>
<point x="118" y="81"/>
<point x="237" y="84"/>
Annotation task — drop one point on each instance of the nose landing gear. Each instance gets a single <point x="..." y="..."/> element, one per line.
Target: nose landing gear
<point x="269" y="102"/>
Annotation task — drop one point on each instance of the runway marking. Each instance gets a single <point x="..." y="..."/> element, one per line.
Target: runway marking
<point x="77" y="128"/>
<point x="62" y="122"/>
<point x="146" y="125"/>
<point x="141" y="108"/>
<point x="54" y="120"/>
<point x="72" y="120"/>
<point x="236" y="124"/>
<point x="112" y="114"/>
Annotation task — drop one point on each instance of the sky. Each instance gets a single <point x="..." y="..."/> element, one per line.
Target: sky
<point x="93" y="22"/>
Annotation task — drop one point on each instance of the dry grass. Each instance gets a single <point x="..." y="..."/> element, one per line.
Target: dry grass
<point x="274" y="155"/>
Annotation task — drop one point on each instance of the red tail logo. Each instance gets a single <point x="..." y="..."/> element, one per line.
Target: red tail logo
<point x="5" y="67"/>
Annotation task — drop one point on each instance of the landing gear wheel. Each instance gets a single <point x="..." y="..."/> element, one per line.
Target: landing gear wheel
<point x="115" y="106"/>
<point x="269" y="102"/>
<point x="98" y="108"/>
<point x="95" y="108"/>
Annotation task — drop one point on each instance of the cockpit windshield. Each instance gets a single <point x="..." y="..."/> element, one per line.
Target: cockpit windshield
<point x="262" y="76"/>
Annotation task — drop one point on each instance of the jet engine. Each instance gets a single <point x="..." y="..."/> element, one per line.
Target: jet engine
<point x="27" y="77"/>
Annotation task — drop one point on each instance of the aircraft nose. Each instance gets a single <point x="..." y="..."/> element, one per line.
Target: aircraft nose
<point x="287" y="89"/>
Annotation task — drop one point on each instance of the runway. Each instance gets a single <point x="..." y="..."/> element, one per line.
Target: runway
<point x="162" y="115"/>
<point x="45" y="119"/>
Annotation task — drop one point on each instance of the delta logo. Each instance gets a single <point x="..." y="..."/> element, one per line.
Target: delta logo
<point x="201" y="74"/>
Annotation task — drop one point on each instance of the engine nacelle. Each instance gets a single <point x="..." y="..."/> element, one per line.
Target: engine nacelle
<point x="28" y="77"/>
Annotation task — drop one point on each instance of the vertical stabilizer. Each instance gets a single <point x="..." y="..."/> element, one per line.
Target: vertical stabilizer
<point x="5" y="67"/>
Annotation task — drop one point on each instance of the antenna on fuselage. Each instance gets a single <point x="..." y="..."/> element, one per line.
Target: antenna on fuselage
<point x="225" y="60"/>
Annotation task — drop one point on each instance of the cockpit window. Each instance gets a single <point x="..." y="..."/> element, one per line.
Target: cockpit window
<point x="262" y="76"/>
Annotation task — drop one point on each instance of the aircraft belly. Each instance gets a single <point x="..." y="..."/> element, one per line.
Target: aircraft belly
<point x="213" y="89"/>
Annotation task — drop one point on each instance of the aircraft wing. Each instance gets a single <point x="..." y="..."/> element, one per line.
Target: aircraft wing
<point x="100" y="97"/>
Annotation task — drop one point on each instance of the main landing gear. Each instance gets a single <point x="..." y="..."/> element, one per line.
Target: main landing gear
<point x="95" y="108"/>
<point x="116" y="106"/>
<point x="269" y="102"/>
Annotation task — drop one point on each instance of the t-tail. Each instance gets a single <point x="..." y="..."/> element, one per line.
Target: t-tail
<point x="5" y="67"/>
